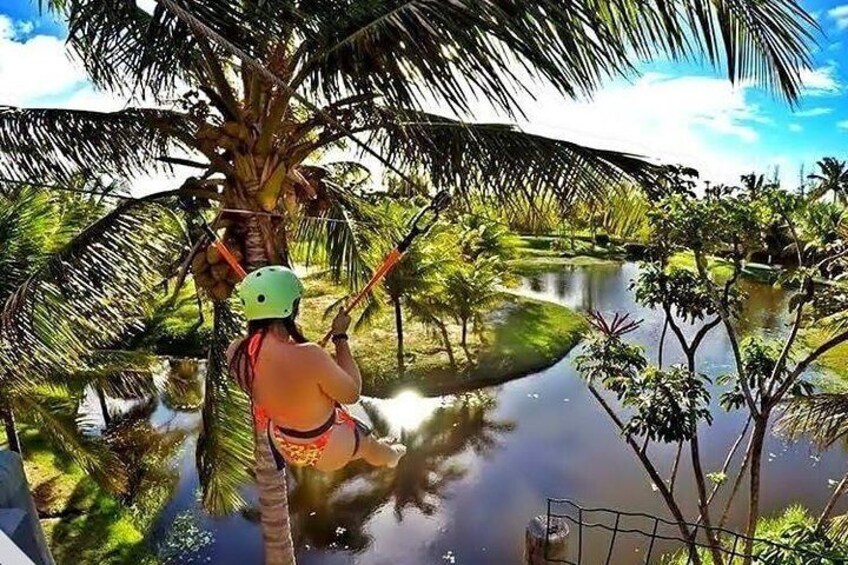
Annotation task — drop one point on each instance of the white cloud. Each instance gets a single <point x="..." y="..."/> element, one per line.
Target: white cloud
<point x="822" y="81"/>
<point x="842" y="125"/>
<point x="839" y="15"/>
<point x="36" y="71"/>
<point x="33" y="68"/>
<point x="796" y="128"/>
<point x="813" y="112"/>
<point x="695" y="120"/>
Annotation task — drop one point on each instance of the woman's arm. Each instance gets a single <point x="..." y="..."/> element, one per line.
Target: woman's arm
<point x="345" y="360"/>
<point x="340" y="378"/>
<point x="343" y="356"/>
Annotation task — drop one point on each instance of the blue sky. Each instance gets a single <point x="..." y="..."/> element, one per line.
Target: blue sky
<point x="681" y="112"/>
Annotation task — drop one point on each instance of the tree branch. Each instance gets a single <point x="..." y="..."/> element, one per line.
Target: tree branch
<point x="736" y="483"/>
<point x="647" y="464"/>
<point x="802" y="366"/>
<point x="703" y="331"/>
<point x="728" y="459"/>
<point x="731" y="332"/>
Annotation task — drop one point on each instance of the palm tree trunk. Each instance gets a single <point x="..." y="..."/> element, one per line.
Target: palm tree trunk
<point x="399" y="331"/>
<point x="274" y="505"/>
<point x="271" y="482"/>
<point x="11" y="427"/>
<point x="446" y="340"/>
<point x="841" y="488"/>
<point x="104" y="409"/>
<point x="464" y="340"/>
<point x="464" y="334"/>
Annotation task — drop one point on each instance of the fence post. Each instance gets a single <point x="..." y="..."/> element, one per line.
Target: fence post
<point x="543" y="532"/>
<point x="18" y="509"/>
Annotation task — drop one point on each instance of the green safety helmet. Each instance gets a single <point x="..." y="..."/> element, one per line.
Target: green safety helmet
<point x="270" y="292"/>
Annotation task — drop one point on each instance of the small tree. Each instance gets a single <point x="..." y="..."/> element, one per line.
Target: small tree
<point x="414" y="276"/>
<point x="471" y="288"/>
<point x="670" y="405"/>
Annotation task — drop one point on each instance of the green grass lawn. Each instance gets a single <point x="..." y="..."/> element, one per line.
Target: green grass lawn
<point x="834" y="362"/>
<point x="82" y="523"/>
<point x="538" y="254"/>
<point x="521" y="336"/>
<point x="721" y="269"/>
<point x="534" y="264"/>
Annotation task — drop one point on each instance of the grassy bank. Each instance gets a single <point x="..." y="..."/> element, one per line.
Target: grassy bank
<point x="540" y="254"/>
<point x="834" y="363"/>
<point x="82" y="522"/>
<point x="532" y="265"/>
<point x="520" y="336"/>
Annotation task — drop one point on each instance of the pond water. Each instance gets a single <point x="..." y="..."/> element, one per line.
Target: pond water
<point x="481" y="464"/>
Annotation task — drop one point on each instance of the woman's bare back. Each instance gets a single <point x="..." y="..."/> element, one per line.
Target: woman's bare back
<point x="299" y="387"/>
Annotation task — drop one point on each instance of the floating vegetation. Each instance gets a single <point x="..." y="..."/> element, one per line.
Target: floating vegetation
<point x="184" y="541"/>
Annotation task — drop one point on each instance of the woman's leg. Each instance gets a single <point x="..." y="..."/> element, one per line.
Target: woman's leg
<point x="380" y="454"/>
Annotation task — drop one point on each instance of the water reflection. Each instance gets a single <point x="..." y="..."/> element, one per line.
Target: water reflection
<point x="574" y="286"/>
<point x="333" y="511"/>
<point x="606" y="287"/>
<point x="182" y="391"/>
<point x="405" y="412"/>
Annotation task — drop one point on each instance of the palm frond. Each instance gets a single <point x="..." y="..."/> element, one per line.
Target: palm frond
<point x="225" y="443"/>
<point x="409" y="50"/>
<point x="148" y="455"/>
<point x="90" y="294"/>
<point x="126" y="49"/>
<point x="498" y="160"/>
<point x="767" y="42"/>
<point x="837" y="529"/>
<point x="47" y="145"/>
<point x="336" y="237"/>
<point x="53" y="409"/>
<point x="821" y="417"/>
<point x="27" y="222"/>
<point x="121" y="374"/>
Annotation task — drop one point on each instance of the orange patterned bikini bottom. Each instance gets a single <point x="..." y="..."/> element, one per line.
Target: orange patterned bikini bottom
<point x="304" y="448"/>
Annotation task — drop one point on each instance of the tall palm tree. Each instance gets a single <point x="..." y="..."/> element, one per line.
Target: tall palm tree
<point x="276" y="85"/>
<point x="832" y="177"/>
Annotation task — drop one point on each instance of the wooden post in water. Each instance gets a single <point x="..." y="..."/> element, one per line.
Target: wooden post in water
<point x="542" y="531"/>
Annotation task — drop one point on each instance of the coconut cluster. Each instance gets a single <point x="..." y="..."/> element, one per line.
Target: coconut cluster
<point x="264" y="181"/>
<point x="212" y="273"/>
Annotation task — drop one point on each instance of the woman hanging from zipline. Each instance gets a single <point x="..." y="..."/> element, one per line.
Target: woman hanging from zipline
<point x="297" y="389"/>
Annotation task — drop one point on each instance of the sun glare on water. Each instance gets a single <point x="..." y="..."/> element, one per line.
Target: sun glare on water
<point x="408" y="409"/>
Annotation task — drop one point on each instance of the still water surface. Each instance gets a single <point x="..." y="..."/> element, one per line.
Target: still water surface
<point x="481" y="464"/>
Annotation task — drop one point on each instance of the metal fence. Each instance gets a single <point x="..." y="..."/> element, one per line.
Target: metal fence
<point x="613" y="537"/>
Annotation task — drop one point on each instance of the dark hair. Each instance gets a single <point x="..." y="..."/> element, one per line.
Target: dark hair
<point x="240" y="365"/>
